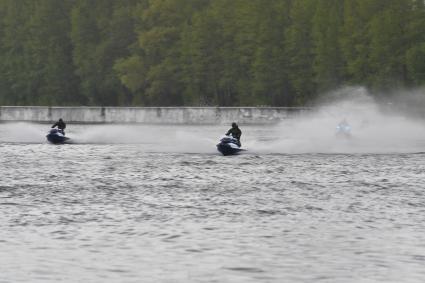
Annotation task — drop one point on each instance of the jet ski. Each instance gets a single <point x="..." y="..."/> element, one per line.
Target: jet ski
<point x="229" y="146"/>
<point x="343" y="130"/>
<point x="57" y="136"/>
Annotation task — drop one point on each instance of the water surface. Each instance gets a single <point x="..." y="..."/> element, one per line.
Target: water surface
<point x="169" y="209"/>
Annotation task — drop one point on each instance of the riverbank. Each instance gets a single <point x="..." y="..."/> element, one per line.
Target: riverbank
<point x="150" y="115"/>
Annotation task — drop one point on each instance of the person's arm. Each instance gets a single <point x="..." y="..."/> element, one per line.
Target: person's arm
<point x="55" y="124"/>
<point x="228" y="132"/>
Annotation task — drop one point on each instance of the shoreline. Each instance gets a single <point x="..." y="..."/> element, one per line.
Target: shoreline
<point x="150" y="115"/>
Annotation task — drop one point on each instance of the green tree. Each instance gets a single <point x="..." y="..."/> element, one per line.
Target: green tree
<point x="328" y="62"/>
<point x="50" y="50"/>
<point x="17" y="82"/>
<point x="389" y="43"/>
<point x="415" y="55"/>
<point x="156" y="60"/>
<point x="270" y="70"/>
<point x="102" y="32"/>
<point x="299" y="51"/>
<point x="205" y="52"/>
<point x="36" y="62"/>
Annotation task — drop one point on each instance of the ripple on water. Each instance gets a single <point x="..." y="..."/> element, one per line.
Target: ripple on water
<point x="106" y="213"/>
<point x="246" y="269"/>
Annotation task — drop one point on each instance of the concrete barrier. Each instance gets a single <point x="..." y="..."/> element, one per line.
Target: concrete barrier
<point x="149" y="115"/>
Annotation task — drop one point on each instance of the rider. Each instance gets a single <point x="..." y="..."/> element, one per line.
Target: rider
<point x="61" y="126"/>
<point x="343" y="124"/>
<point x="343" y="128"/>
<point x="235" y="132"/>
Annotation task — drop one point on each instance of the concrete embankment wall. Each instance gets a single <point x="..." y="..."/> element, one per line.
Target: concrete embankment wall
<point x="149" y="115"/>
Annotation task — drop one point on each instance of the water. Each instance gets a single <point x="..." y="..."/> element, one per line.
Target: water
<point x="127" y="203"/>
<point x="159" y="204"/>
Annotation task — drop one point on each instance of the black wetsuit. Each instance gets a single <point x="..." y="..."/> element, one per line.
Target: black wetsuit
<point x="61" y="126"/>
<point x="236" y="133"/>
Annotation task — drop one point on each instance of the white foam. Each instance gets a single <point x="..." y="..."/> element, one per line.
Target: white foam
<point x="373" y="129"/>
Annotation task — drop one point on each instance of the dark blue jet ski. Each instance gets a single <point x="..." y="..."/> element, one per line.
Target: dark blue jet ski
<point x="56" y="136"/>
<point x="229" y="146"/>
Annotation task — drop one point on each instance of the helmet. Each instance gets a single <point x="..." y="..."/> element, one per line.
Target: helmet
<point x="60" y="119"/>
<point x="234" y="125"/>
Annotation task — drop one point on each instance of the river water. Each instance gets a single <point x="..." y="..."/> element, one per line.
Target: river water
<point x="159" y="204"/>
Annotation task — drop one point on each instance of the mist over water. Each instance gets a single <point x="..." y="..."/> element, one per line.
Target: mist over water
<point x="151" y="138"/>
<point x="375" y="128"/>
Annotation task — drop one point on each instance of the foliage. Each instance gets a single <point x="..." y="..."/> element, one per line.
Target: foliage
<point x="205" y="52"/>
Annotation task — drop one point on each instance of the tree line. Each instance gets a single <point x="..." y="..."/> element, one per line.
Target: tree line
<point x="205" y="52"/>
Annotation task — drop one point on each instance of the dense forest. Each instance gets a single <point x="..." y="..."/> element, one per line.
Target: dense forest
<point x="205" y="52"/>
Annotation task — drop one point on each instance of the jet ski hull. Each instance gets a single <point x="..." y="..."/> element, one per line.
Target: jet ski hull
<point x="229" y="146"/>
<point x="56" y="137"/>
<point x="226" y="149"/>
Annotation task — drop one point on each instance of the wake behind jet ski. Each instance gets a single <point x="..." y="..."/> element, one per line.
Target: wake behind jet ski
<point x="231" y="144"/>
